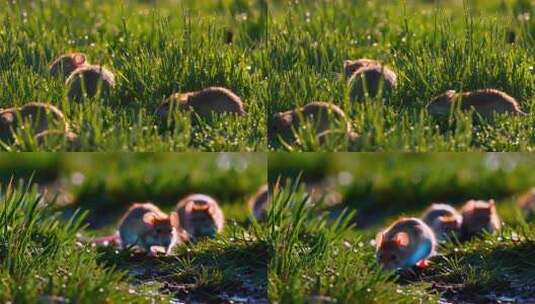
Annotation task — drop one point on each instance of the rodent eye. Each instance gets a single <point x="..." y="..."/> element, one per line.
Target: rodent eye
<point x="393" y="257"/>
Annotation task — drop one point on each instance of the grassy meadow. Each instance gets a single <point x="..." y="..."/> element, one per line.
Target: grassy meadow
<point x="325" y="249"/>
<point x="49" y="199"/>
<point x="155" y="48"/>
<point x="433" y="46"/>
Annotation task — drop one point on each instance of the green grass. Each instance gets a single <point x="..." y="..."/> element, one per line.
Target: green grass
<point x="154" y="51"/>
<point x="326" y="253"/>
<point x="40" y="255"/>
<point x="432" y="45"/>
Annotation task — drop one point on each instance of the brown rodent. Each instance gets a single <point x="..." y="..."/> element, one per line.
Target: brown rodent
<point x="200" y="216"/>
<point x="526" y="202"/>
<point x="444" y="220"/>
<point x="145" y="225"/>
<point x="259" y="203"/>
<point x="369" y="81"/>
<point x="406" y="243"/>
<point x="203" y="102"/>
<point x="65" y="64"/>
<point x="485" y="102"/>
<point x="40" y="117"/>
<point x="479" y="216"/>
<point x="351" y="66"/>
<point x="88" y="81"/>
<point x="321" y="114"/>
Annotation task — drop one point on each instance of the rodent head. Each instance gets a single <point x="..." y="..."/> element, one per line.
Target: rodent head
<point x="66" y="64"/>
<point x="175" y="102"/>
<point x="200" y="218"/>
<point x="281" y="124"/>
<point x="392" y="253"/>
<point x="162" y="229"/>
<point x="441" y="104"/>
<point x="479" y="215"/>
<point x="448" y="225"/>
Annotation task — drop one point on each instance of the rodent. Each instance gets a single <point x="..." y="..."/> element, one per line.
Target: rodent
<point x="485" y="102"/>
<point x="405" y="243"/>
<point x="200" y="216"/>
<point x="65" y="64"/>
<point x="444" y="220"/>
<point x="259" y="203"/>
<point x="203" y="102"/>
<point x="479" y="216"/>
<point x="320" y="114"/>
<point x="145" y="225"/>
<point x="40" y="116"/>
<point x="370" y="80"/>
<point x="88" y="81"/>
<point x="351" y="66"/>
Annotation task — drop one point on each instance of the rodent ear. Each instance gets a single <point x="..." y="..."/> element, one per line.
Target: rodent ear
<point x="347" y="63"/>
<point x="402" y="239"/>
<point x="149" y="218"/>
<point x="79" y="59"/>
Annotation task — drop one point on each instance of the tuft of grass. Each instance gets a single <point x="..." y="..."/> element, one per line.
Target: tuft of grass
<point x="40" y="258"/>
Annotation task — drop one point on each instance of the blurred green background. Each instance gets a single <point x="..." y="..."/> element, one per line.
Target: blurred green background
<point x="383" y="185"/>
<point x="106" y="183"/>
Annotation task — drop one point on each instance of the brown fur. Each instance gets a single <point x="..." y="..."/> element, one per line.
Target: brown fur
<point x="90" y="79"/>
<point x="351" y="66"/>
<point x="485" y="102"/>
<point x="200" y="216"/>
<point x="65" y="64"/>
<point x="145" y="225"/>
<point x="526" y="202"/>
<point x="479" y="216"/>
<point x="321" y="113"/>
<point x="370" y="80"/>
<point x="40" y="116"/>
<point x="204" y="102"/>
<point x="444" y="220"/>
<point x="399" y="242"/>
<point x="259" y="203"/>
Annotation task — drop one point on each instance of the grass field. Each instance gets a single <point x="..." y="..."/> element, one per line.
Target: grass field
<point x="433" y="46"/>
<point x="325" y="254"/>
<point x="154" y="50"/>
<point x="41" y="259"/>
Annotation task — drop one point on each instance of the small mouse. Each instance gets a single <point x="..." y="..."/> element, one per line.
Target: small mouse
<point x="526" y="202"/>
<point x="259" y="203"/>
<point x="145" y="225"/>
<point x="351" y="66"/>
<point x="40" y="116"/>
<point x="479" y="216"/>
<point x="88" y="81"/>
<point x="322" y="114"/>
<point x="444" y="220"/>
<point x="200" y="216"/>
<point x="64" y="65"/>
<point x="203" y="102"/>
<point x="406" y="243"/>
<point x="370" y="80"/>
<point x="485" y="102"/>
